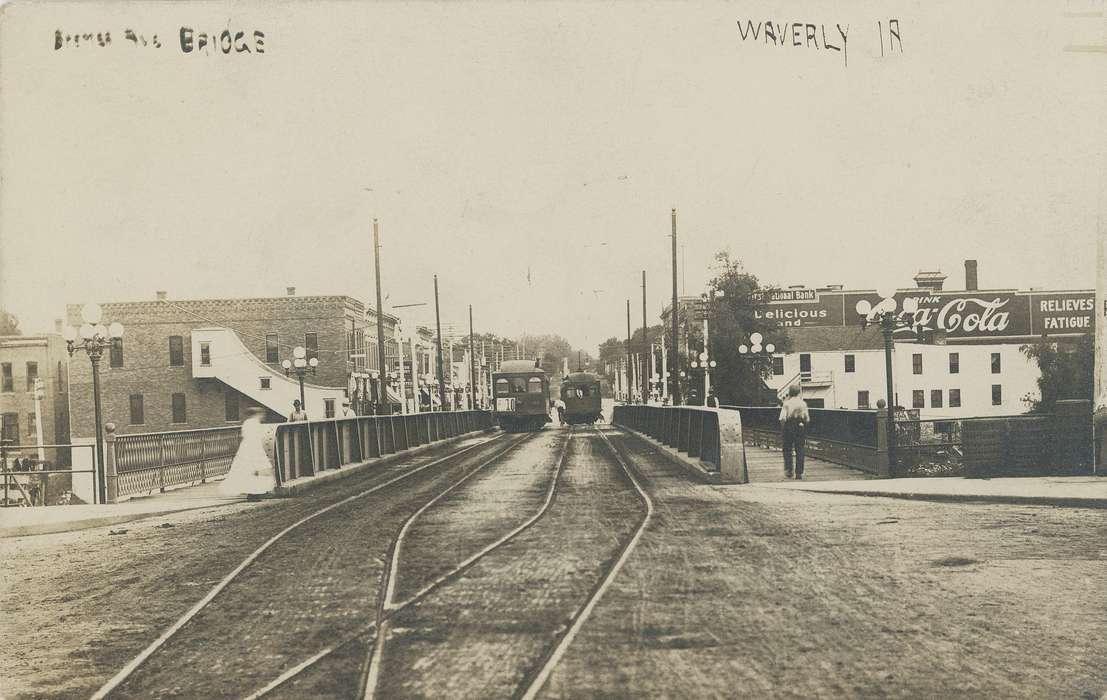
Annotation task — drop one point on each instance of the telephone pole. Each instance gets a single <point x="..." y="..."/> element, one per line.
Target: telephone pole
<point x="381" y="369"/>
<point x="675" y="364"/>
<point x="645" y="346"/>
<point x="630" y="381"/>
<point x="472" y="365"/>
<point x="438" y="349"/>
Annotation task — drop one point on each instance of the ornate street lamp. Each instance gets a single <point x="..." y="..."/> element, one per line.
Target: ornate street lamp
<point x="884" y="313"/>
<point x="755" y="351"/>
<point x="94" y="339"/>
<point x="300" y="366"/>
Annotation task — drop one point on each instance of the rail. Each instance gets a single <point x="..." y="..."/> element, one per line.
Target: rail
<point x="705" y="441"/>
<point x="41" y="480"/>
<point x="148" y="462"/>
<point x="843" y="436"/>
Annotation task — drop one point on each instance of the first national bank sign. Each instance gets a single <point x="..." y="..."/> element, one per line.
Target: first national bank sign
<point x="977" y="314"/>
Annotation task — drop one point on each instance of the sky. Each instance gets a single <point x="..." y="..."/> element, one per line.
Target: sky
<point x="530" y="154"/>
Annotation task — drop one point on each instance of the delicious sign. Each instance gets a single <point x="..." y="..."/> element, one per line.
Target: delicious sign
<point x="977" y="314"/>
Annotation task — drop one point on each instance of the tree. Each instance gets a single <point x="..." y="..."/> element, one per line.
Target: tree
<point x="1067" y="371"/>
<point x="9" y="324"/>
<point x="737" y="379"/>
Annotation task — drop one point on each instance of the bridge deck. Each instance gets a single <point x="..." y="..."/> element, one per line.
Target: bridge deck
<point x="766" y="464"/>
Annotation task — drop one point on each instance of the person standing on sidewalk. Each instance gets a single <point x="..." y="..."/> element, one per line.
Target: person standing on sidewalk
<point x="794" y="418"/>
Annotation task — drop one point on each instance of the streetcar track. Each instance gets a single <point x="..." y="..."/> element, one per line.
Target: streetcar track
<point x="128" y="669"/>
<point x="535" y="679"/>
<point x="385" y="611"/>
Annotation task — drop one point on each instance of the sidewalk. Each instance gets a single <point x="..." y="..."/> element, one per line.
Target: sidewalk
<point x="1067" y="491"/>
<point x="20" y="522"/>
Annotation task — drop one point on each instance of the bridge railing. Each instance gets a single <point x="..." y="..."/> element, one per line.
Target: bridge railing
<point x="843" y="436"/>
<point x="307" y="448"/>
<point x="148" y="462"/>
<point x="691" y="430"/>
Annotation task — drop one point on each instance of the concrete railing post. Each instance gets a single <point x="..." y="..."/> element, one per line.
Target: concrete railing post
<point x="732" y="448"/>
<point x="883" y="465"/>
<point x="110" y="475"/>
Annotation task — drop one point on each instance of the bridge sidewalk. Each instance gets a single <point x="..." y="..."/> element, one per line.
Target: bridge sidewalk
<point x="20" y="522"/>
<point x="766" y="468"/>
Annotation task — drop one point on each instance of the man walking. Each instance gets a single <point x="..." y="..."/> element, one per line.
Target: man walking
<point x="712" y="400"/>
<point x="793" y="424"/>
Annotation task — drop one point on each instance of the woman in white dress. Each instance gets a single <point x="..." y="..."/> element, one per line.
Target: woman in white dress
<point x="251" y="471"/>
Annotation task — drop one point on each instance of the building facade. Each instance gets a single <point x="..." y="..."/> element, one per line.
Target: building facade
<point x="187" y="364"/>
<point x="24" y="359"/>
<point x="967" y="363"/>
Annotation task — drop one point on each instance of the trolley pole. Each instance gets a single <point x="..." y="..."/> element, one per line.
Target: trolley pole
<point x="380" y="322"/>
<point x="675" y="364"/>
<point x="438" y="350"/>
<point x="645" y="346"/>
<point x="630" y="380"/>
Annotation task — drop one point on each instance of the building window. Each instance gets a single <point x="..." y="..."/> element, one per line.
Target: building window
<point x="996" y="366"/>
<point x="918" y="399"/>
<point x="10" y="430"/>
<point x="955" y="398"/>
<point x="138" y="410"/>
<point x="180" y="413"/>
<point x="32" y="375"/>
<point x="32" y="426"/>
<point x="176" y="351"/>
<point x="205" y="354"/>
<point x="917" y="363"/>
<point x="935" y="398"/>
<point x="850" y="363"/>
<point x="997" y="395"/>
<point x="116" y="357"/>
<point x="778" y="365"/>
<point x="311" y="344"/>
<point x="272" y="350"/>
<point x="862" y="399"/>
<point x="8" y="382"/>
<point x="265" y="382"/>
<point x="230" y="404"/>
<point x="954" y="363"/>
<point x="328" y="408"/>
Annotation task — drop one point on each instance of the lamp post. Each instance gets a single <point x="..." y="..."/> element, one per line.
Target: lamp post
<point x="94" y="339"/>
<point x="300" y="366"/>
<point x="755" y="351"/>
<point x="884" y="313"/>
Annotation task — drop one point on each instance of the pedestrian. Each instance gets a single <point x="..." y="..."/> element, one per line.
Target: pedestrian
<point x="560" y="411"/>
<point x="712" y="400"/>
<point x="347" y="412"/>
<point x="298" y="414"/>
<point x="251" y="471"/>
<point x="794" y="418"/>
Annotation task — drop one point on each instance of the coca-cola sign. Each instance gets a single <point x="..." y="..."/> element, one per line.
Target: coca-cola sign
<point x="978" y="314"/>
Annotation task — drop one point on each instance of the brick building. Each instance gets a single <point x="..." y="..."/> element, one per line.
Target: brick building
<point x="186" y="364"/>
<point x="24" y="358"/>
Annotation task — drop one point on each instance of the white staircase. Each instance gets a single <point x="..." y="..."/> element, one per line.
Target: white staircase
<point x="232" y="363"/>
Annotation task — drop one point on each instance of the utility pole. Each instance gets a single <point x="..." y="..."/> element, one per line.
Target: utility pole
<point x="706" y="350"/>
<point x="630" y="380"/>
<point x="664" y="370"/>
<point x="472" y="365"/>
<point x="438" y="350"/>
<point x="645" y="345"/>
<point x="381" y="375"/>
<point x="673" y="313"/>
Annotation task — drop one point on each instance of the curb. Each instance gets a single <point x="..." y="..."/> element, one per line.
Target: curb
<point x="305" y="485"/>
<point x="1057" y="501"/>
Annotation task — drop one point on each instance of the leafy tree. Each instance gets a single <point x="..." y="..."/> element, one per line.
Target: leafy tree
<point x="1067" y="371"/>
<point x="737" y="379"/>
<point x="9" y="324"/>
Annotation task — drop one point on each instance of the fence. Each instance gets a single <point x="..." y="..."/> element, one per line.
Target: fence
<point x="693" y="431"/>
<point x="842" y="436"/>
<point x="147" y="462"/>
<point x="33" y="477"/>
<point x="308" y="448"/>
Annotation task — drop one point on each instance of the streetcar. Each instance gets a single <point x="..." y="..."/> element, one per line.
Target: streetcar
<point x="582" y="396"/>
<point x="522" y="393"/>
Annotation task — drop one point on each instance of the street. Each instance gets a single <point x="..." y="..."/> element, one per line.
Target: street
<point x="731" y="591"/>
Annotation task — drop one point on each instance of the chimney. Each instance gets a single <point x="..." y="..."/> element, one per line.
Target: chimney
<point x="57" y="325"/>
<point x="970" y="276"/>
<point x="162" y="295"/>
<point x="290" y="291"/>
<point x="930" y="280"/>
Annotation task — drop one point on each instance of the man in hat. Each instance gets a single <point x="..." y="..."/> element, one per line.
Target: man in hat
<point x="346" y="412"/>
<point x="794" y="418"/>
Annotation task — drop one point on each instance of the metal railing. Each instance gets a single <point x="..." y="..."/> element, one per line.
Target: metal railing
<point x="37" y="480"/>
<point x="307" y="448"/>
<point x="842" y="436"/>
<point x="693" y="431"/>
<point x="148" y="462"/>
